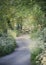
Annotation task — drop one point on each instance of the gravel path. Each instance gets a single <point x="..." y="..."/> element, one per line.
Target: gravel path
<point x="21" y="56"/>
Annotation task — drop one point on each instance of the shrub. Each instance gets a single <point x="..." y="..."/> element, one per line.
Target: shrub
<point x="41" y="58"/>
<point x="34" y="54"/>
<point x="7" y="45"/>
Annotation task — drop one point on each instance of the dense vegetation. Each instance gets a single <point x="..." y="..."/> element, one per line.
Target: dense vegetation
<point x="10" y="12"/>
<point x="23" y="16"/>
<point x="7" y="45"/>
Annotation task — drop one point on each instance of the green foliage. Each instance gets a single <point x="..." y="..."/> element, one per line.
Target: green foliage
<point x="44" y="35"/>
<point x="38" y="15"/>
<point x="38" y="31"/>
<point x="35" y="53"/>
<point x="38" y="22"/>
<point x="7" y="45"/>
<point x="11" y="9"/>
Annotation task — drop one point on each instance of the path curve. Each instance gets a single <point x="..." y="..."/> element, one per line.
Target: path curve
<point x="21" y="56"/>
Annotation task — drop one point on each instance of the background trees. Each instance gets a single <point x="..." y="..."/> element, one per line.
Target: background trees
<point x="13" y="9"/>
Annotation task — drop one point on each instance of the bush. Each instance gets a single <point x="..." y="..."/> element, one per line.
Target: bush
<point x="7" y="45"/>
<point x="35" y="53"/>
<point x="38" y="57"/>
<point x="41" y="58"/>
